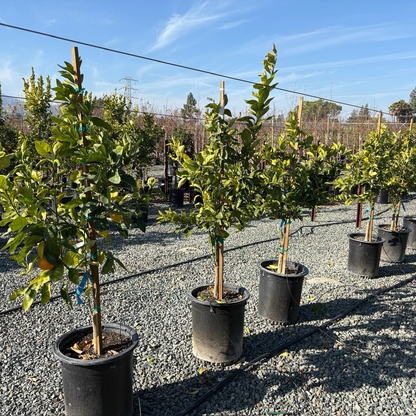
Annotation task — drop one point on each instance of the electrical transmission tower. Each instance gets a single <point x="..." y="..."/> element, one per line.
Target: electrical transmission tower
<point x="128" y="88"/>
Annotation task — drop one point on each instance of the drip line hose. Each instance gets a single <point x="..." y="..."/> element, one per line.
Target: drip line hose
<point x="170" y="266"/>
<point x="280" y="347"/>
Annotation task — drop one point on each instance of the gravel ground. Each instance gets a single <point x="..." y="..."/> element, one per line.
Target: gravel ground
<point x="363" y="364"/>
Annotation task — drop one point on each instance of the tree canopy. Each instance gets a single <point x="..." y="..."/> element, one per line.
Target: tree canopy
<point x="412" y="100"/>
<point x="190" y="109"/>
<point x="319" y="110"/>
<point x="401" y="110"/>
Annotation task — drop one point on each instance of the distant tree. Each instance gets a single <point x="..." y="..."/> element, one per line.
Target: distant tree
<point x="190" y="109"/>
<point x="401" y="110"/>
<point x="280" y="118"/>
<point x="359" y="115"/>
<point x="319" y="110"/>
<point x="9" y="136"/>
<point x="412" y="101"/>
<point x="116" y="112"/>
<point x="147" y="133"/>
<point x="37" y="106"/>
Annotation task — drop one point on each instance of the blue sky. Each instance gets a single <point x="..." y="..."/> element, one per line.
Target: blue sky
<point x="357" y="52"/>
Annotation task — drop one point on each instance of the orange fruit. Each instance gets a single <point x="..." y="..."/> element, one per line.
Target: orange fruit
<point x="44" y="264"/>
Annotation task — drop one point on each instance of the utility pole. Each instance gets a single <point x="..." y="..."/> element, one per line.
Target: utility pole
<point x="128" y="88"/>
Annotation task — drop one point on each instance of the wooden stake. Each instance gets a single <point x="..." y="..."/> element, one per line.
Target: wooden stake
<point x="313" y="214"/>
<point x="300" y="112"/>
<point x="96" y="316"/>
<point x="379" y="124"/>
<point x="283" y="251"/>
<point x="166" y="167"/>
<point x="359" y="215"/>
<point x="369" y="230"/>
<point x="219" y="275"/>
<point x="396" y="217"/>
<point x="411" y="126"/>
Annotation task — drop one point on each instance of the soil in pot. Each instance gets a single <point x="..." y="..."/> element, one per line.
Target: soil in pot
<point x="102" y="386"/>
<point x="364" y="256"/>
<point x="112" y="343"/>
<point x="394" y="249"/>
<point x="218" y="328"/>
<point x="280" y="294"/>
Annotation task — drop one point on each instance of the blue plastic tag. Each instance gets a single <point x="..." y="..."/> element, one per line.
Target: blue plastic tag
<point x="81" y="287"/>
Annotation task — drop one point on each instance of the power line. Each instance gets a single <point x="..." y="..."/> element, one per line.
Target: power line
<point x="178" y="65"/>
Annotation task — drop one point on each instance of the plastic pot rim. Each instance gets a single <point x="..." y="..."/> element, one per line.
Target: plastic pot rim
<point x="243" y="291"/>
<point x="289" y="276"/>
<point x="403" y="230"/>
<point x="380" y="240"/>
<point x="90" y="363"/>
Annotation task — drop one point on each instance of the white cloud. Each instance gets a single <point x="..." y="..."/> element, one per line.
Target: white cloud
<point x="353" y="62"/>
<point x="178" y="25"/>
<point x="232" y="25"/>
<point x="323" y="38"/>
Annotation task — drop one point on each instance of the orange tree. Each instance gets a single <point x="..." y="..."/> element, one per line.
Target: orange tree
<point x="43" y="227"/>
<point x="226" y="172"/>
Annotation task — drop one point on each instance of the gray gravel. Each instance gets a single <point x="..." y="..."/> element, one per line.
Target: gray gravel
<point x="363" y="364"/>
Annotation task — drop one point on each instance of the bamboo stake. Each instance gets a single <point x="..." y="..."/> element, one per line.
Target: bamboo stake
<point x="219" y="245"/>
<point x="359" y="214"/>
<point x="283" y="251"/>
<point x="411" y="126"/>
<point x="166" y="166"/>
<point x="369" y="229"/>
<point x="396" y="216"/>
<point x="96" y="316"/>
<point x="379" y="124"/>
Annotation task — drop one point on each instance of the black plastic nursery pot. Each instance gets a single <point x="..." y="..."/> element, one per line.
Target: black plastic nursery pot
<point x="364" y="256"/>
<point x="383" y="198"/>
<point x="101" y="387"/>
<point x="218" y="328"/>
<point x="394" y="249"/>
<point x="410" y="222"/>
<point x="176" y="197"/>
<point x="280" y="294"/>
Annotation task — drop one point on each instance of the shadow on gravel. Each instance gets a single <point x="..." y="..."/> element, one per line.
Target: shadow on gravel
<point x="172" y="398"/>
<point x="360" y="352"/>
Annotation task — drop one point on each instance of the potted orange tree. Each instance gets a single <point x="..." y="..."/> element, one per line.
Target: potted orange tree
<point x="298" y="176"/>
<point x="226" y="175"/>
<point x="368" y="169"/>
<point x="399" y="175"/>
<point x="59" y="242"/>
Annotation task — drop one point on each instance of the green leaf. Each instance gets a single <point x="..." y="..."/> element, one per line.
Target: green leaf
<point x="18" y="292"/>
<point x="100" y="123"/>
<point x="65" y="295"/>
<point x="70" y="259"/>
<point x="73" y="276"/>
<point x="28" y="298"/>
<point x="45" y="293"/>
<point x="108" y="266"/>
<point x="114" y="177"/>
<point x="316" y="309"/>
<point x="43" y="149"/>
<point x="18" y="223"/>
<point x="57" y="273"/>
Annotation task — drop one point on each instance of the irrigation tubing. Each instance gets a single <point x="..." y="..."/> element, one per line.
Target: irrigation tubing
<point x="280" y="347"/>
<point x="181" y="263"/>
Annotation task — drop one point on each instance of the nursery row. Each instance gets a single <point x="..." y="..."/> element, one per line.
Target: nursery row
<point x="63" y="242"/>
